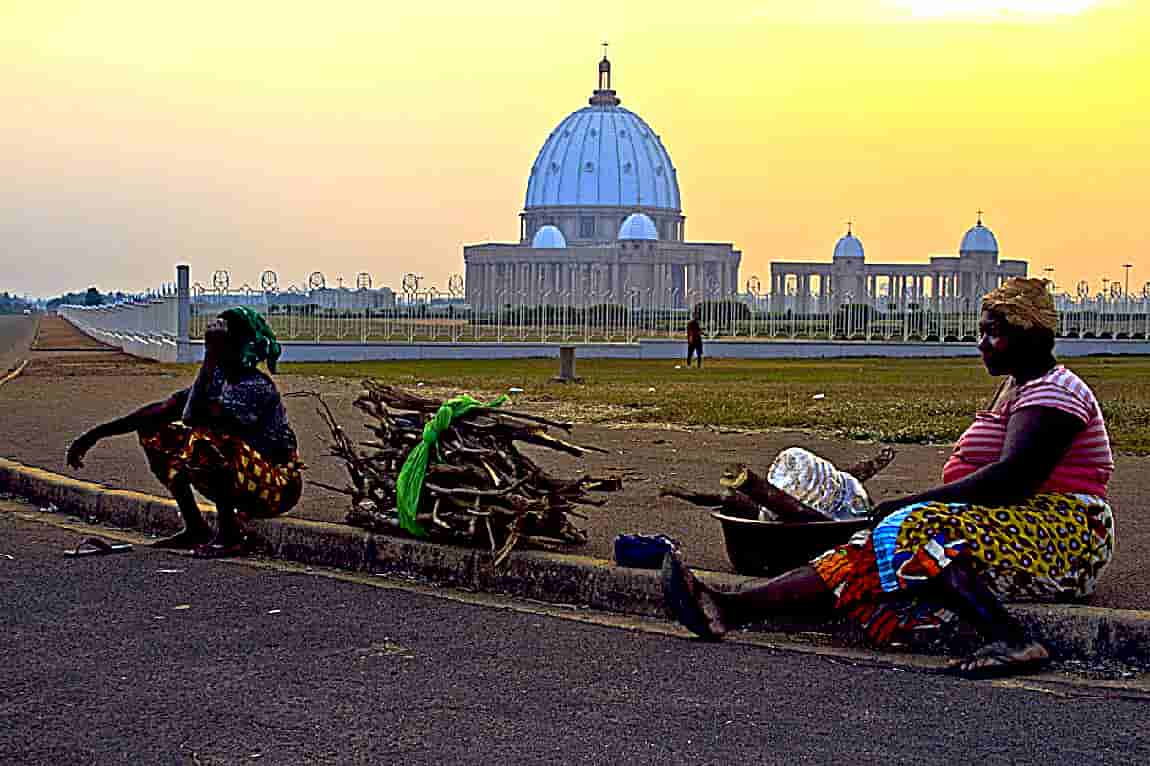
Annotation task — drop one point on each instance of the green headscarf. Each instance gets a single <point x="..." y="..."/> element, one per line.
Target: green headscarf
<point x="259" y="342"/>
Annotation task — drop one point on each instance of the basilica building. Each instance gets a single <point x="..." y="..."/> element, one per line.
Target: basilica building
<point x="602" y="223"/>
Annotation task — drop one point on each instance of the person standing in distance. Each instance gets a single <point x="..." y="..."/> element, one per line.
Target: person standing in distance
<point x="694" y="339"/>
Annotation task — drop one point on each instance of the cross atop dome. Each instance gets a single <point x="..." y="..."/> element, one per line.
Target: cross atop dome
<point x="603" y="95"/>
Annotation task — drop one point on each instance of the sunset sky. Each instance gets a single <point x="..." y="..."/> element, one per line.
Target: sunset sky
<point x="348" y="136"/>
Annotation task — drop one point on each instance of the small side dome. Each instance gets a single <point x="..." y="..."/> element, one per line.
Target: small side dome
<point x="978" y="239"/>
<point x="848" y="246"/>
<point x="549" y="237"/>
<point x="638" y="226"/>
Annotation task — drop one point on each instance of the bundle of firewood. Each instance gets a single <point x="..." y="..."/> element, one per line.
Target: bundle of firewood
<point x="744" y="494"/>
<point x="479" y="489"/>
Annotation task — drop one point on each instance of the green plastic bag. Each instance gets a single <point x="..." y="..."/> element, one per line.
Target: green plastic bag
<point x="409" y="485"/>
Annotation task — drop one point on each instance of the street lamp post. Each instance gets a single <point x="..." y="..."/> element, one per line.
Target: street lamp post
<point x="1127" y="266"/>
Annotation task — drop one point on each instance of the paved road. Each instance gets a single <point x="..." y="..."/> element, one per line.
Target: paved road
<point x="150" y="658"/>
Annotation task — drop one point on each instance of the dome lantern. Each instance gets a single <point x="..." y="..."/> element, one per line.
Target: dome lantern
<point x="603" y="95"/>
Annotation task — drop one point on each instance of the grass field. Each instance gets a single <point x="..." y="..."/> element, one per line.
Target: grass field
<point x="892" y="400"/>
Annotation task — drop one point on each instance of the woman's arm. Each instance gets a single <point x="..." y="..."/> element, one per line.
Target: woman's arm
<point x="201" y="407"/>
<point x="1036" y="439"/>
<point x="150" y="415"/>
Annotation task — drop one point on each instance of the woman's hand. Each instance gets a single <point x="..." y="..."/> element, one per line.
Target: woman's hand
<point x="215" y="338"/>
<point x="79" y="448"/>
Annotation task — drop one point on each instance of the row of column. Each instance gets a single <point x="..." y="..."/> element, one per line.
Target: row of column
<point x="943" y="284"/>
<point x="667" y="284"/>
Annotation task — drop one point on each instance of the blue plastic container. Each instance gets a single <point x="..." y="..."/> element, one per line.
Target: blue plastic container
<point x="643" y="551"/>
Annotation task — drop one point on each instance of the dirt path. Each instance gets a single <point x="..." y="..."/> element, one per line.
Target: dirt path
<point x="16" y="333"/>
<point x="63" y="393"/>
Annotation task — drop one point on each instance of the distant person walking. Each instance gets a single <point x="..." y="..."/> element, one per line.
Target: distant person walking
<point x="694" y="340"/>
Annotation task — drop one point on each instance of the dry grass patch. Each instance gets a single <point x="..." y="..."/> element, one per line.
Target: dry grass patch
<point x="889" y="400"/>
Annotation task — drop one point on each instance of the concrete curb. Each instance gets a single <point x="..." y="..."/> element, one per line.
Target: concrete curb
<point x="1073" y="632"/>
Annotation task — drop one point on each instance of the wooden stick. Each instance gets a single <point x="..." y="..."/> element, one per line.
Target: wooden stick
<point x="695" y="498"/>
<point x="470" y="492"/>
<point x="329" y="487"/>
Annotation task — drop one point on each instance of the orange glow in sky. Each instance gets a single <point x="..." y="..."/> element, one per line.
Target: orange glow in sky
<point x="353" y="136"/>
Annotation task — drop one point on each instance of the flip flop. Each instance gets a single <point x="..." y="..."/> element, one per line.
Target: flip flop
<point x="997" y="660"/>
<point x="679" y="596"/>
<point x="94" y="546"/>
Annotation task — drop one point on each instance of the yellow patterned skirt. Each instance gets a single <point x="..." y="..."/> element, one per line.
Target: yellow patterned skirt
<point x="1052" y="547"/>
<point x="223" y="467"/>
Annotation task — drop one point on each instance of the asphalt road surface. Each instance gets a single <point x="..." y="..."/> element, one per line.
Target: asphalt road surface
<point x="152" y="658"/>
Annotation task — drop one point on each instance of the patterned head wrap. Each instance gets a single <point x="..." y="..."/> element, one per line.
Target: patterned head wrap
<point x="259" y="342"/>
<point x="1024" y="303"/>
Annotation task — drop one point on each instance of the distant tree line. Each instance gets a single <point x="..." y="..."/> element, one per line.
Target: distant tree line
<point x="11" y="304"/>
<point x="90" y="297"/>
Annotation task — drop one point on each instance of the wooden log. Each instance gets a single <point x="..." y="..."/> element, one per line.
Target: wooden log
<point x="732" y="502"/>
<point x="786" y="507"/>
<point x="741" y="506"/>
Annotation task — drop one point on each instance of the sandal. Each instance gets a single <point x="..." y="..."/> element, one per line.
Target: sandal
<point x="681" y="597"/>
<point x="94" y="546"/>
<point x="998" y="659"/>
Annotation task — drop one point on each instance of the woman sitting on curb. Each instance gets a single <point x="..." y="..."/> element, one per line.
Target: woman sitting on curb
<point x="227" y="436"/>
<point x="1021" y="515"/>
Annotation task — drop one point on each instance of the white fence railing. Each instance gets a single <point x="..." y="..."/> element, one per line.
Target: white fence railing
<point x="148" y="327"/>
<point x="162" y="326"/>
<point x="429" y="321"/>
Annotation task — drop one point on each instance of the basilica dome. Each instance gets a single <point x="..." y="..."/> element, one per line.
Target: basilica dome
<point x="848" y="246"/>
<point x="978" y="239"/>
<point x="549" y="238"/>
<point x="603" y="155"/>
<point x="638" y="226"/>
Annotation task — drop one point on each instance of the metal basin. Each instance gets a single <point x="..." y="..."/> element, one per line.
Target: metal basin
<point x="768" y="548"/>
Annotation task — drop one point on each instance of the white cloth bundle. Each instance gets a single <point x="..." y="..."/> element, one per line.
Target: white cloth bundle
<point x="815" y="481"/>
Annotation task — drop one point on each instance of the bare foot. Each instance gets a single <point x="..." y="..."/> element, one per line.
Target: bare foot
<point x="218" y="550"/>
<point x="999" y="658"/>
<point x="185" y="540"/>
<point x="689" y="601"/>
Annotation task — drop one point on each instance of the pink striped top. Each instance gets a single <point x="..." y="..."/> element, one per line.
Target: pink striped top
<point x="1088" y="463"/>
